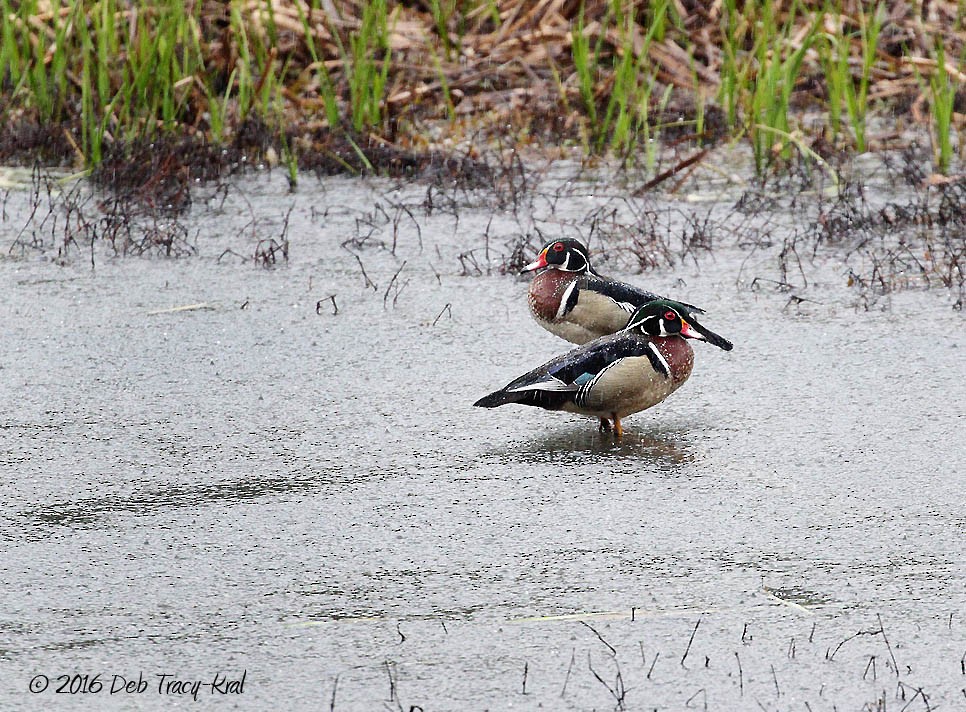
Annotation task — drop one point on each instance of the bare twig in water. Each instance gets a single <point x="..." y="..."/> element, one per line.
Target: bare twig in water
<point x="266" y="251"/>
<point x="392" y="282"/>
<point x="402" y="638"/>
<point x="392" y="681"/>
<point x="446" y="308"/>
<point x="702" y="690"/>
<point x="868" y="666"/>
<point x="895" y="665"/>
<point x="467" y="261"/>
<point x="780" y="286"/>
<point x="232" y="252"/>
<point x="653" y="663"/>
<point x="796" y="300"/>
<point x="486" y="244"/>
<point x="741" y="676"/>
<point x="830" y="654"/>
<point x="439" y="279"/>
<point x="599" y="637"/>
<point x="526" y="669"/>
<point x="664" y="175"/>
<point x="919" y="693"/>
<point x="573" y="655"/>
<point x="369" y="282"/>
<point x="331" y="298"/>
<point x="335" y="686"/>
<point x="400" y="210"/>
<point x="690" y="640"/>
<point x="618" y="691"/>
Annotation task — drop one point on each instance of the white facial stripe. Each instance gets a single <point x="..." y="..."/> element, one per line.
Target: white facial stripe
<point x="566" y="263"/>
<point x="636" y="324"/>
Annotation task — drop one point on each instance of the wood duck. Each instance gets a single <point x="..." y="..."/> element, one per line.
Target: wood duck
<point x="570" y="299"/>
<point x="615" y="375"/>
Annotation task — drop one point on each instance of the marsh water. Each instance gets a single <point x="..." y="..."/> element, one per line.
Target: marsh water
<point x="217" y="471"/>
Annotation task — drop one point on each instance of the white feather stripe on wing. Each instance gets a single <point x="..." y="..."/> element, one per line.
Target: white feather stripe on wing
<point x="551" y="384"/>
<point x="564" y="299"/>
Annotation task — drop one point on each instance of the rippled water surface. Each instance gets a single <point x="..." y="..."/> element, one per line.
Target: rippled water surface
<point x="260" y="485"/>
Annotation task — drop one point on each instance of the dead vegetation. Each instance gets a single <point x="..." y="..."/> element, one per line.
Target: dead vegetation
<point x="509" y="62"/>
<point x="403" y="89"/>
<point x="787" y="226"/>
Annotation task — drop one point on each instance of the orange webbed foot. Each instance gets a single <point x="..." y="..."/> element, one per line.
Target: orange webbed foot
<point x="618" y="428"/>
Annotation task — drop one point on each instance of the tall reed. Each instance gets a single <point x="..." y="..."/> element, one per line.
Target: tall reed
<point x="857" y="97"/>
<point x="779" y="63"/>
<point x="943" y="94"/>
<point x="366" y="62"/>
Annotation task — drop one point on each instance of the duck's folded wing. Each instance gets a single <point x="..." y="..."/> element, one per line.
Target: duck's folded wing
<point x="630" y="297"/>
<point x="557" y="382"/>
<point x="582" y="365"/>
<point x="562" y="380"/>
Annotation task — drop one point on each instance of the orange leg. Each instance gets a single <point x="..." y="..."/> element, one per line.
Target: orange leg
<point x="618" y="430"/>
<point x="604" y="426"/>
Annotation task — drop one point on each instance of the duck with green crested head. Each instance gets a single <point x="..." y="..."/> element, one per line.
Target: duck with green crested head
<point x="571" y="299"/>
<point x="615" y="375"/>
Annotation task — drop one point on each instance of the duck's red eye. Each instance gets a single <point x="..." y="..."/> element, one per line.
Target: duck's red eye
<point x="558" y="247"/>
<point x="670" y="315"/>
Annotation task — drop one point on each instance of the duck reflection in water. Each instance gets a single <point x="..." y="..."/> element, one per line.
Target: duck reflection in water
<point x="665" y="449"/>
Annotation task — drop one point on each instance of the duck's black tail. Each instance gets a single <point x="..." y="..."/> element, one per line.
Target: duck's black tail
<point x="498" y="398"/>
<point x="548" y="400"/>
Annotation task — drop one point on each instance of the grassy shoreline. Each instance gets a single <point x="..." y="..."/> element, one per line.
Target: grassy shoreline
<point x="361" y="87"/>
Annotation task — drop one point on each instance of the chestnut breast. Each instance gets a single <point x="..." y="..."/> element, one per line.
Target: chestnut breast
<point x="546" y="291"/>
<point x="678" y="354"/>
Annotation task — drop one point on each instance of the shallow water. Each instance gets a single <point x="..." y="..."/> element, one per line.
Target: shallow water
<point x="265" y="486"/>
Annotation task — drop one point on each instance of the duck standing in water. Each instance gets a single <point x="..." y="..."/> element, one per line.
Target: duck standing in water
<point x="615" y="375"/>
<point x="571" y="300"/>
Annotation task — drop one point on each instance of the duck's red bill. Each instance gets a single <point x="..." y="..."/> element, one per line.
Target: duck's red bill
<point x="541" y="261"/>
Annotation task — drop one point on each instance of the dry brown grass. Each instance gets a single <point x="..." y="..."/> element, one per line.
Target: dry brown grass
<point x="504" y="70"/>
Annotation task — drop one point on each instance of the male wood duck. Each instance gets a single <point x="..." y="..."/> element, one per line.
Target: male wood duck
<point x="615" y="375"/>
<point x="570" y="299"/>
